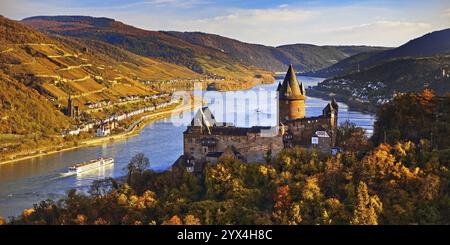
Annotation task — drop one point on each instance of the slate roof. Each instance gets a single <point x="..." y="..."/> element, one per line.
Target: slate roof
<point x="290" y="88"/>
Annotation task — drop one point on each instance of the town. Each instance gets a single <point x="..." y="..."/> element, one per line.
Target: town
<point x="103" y="127"/>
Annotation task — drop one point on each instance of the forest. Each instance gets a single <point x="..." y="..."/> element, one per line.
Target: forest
<point x="398" y="176"/>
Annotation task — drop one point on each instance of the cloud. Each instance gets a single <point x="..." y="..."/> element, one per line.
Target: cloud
<point x="447" y="12"/>
<point x="178" y="3"/>
<point x="272" y="23"/>
<point x="381" y="32"/>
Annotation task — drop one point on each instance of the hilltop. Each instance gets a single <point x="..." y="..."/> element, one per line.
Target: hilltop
<point x="201" y="60"/>
<point x="369" y="79"/>
<point x="304" y="57"/>
<point x="201" y="52"/>
<point x="378" y="84"/>
<point x="434" y="43"/>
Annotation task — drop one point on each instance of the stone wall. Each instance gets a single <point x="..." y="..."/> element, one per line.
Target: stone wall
<point x="303" y="129"/>
<point x="251" y="146"/>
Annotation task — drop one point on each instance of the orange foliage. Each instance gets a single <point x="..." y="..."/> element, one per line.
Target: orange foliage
<point x="175" y="220"/>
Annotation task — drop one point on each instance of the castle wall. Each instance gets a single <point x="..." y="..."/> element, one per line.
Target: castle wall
<point x="303" y="129"/>
<point x="252" y="146"/>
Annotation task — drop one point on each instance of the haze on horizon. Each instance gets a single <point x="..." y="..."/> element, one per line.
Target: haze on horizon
<point x="268" y="22"/>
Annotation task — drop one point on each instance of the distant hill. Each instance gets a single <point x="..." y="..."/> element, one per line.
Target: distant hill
<point x="378" y="84"/>
<point x="202" y="60"/>
<point x="434" y="43"/>
<point x="304" y="57"/>
<point x="200" y="52"/>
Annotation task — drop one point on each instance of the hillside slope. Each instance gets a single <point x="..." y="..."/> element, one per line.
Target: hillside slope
<point x="200" y="52"/>
<point x="90" y="71"/>
<point x="38" y="72"/>
<point x="378" y="84"/>
<point x="202" y="60"/>
<point x="24" y="111"/>
<point x="304" y="57"/>
<point x="434" y="43"/>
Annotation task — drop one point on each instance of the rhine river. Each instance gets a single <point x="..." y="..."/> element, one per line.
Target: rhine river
<point x="30" y="181"/>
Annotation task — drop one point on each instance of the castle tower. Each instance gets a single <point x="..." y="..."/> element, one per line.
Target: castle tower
<point x="72" y="110"/>
<point x="69" y="111"/>
<point x="291" y="98"/>
<point x="331" y="112"/>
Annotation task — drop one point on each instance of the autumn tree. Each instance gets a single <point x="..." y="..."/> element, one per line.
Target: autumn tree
<point x="284" y="210"/>
<point x="136" y="166"/>
<point x="367" y="207"/>
<point x="191" y="220"/>
<point x="312" y="199"/>
<point x="2" y="221"/>
<point x="174" y="220"/>
<point x="352" y="138"/>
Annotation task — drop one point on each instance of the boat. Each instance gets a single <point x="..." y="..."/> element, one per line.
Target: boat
<point x="90" y="165"/>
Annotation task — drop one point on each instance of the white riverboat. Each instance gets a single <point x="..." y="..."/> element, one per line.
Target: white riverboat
<point x="90" y="165"/>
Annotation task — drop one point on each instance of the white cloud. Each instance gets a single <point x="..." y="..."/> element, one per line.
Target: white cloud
<point x="362" y="23"/>
<point x="447" y="12"/>
<point x="178" y="3"/>
<point x="381" y="32"/>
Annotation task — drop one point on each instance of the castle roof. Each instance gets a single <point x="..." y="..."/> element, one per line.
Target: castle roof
<point x="290" y="88"/>
<point x="334" y="103"/>
<point x="329" y="109"/>
<point x="204" y="118"/>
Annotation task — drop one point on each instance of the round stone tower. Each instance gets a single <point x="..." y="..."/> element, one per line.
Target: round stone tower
<point x="291" y="98"/>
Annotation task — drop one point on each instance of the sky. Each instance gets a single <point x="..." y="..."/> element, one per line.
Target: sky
<point x="268" y="22"/>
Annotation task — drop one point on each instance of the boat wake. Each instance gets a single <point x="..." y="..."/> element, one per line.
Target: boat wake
<point x="64" y="175"/>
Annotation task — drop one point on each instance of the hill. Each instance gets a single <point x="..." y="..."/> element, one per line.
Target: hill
<point x="434" y="43"/>
<point x="304" y="57"/>
<point x="201" y="52"/>
<point x="38" y="72"/>
<point x="206" y="61"/>
<point x="89" y="70"/>
<point x="379" y="84"/>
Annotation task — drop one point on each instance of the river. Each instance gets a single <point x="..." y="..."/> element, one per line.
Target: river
<point x="33" y="180"/>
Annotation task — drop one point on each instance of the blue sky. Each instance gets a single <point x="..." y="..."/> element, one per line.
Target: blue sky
<point x="269" y="22"/>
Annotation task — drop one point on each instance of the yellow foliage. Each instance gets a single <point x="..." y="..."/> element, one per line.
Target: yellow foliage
<point x="122" y="199"/>
<point x="28" y="212"/>
<point x="311" y="190"/>
<point x="100" y="221"/>
<point x="80" y="219"/>
<point x="191" y="220"/>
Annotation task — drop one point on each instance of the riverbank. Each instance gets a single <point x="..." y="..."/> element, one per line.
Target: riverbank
<point x="353" y="104"/>
<point x="138" y="125"/>
<point x="133" y="130"/>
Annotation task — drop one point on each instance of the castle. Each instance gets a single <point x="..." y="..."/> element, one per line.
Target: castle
<point x="206" y="140"/>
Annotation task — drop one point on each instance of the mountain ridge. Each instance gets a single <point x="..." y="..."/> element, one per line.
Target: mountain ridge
<point x="304" y="57"/>
<point x="432" y="43"/>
